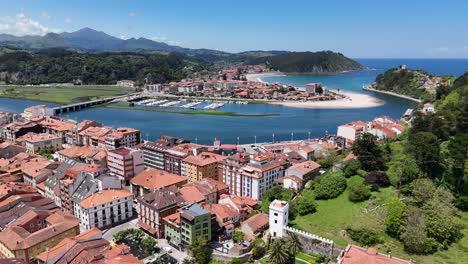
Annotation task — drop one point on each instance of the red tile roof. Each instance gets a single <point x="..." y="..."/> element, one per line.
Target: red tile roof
<point x="157" y="179"/>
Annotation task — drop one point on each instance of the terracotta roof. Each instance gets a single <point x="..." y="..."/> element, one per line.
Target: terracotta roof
<point x="257" y="222"/>
<point x="357" y="255"/>
<point x="104" y="197"/>
<point x="305" y="167"/>
<point x="191" y="194"/>
<point x="157" y="179"/>
<point x="204" y="159"/>
<point x="16" y="237"/>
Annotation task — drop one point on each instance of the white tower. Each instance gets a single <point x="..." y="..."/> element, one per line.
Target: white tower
<point x="279" y="214"/>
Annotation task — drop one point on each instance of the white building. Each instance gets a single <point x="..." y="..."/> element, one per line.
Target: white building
<point x="312" y="87"/>
<point x="428" y="108"/>
<point x="37" y="110"/>
<point x="156" y="88"/>
<point x="259" y="176"/>
<point x="104" y="209"/>
<point x="352" y="130"/>
<point x="278" y="217"/>
<point x="126" y="83"/>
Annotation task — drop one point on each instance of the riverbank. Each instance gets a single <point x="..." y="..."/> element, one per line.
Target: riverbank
<point x="367" y="88"/>
<point x="257" y="77"/>
<point x="351" y="100"/>
<point x="189" y="112"/>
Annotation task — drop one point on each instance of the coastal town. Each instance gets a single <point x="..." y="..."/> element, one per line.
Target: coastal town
<point x="79" y="192"/>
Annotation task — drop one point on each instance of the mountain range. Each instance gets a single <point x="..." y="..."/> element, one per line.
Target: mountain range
<point x="90" y="40"/>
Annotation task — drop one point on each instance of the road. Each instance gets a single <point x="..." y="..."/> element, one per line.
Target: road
<point x="178" y="255"/>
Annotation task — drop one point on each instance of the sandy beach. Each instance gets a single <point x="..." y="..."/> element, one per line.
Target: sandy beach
<point x="353" y="100"/>
<point x="256" y="77"/>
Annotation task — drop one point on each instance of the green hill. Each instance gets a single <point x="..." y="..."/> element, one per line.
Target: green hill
<point x="62" y="66"/>
<point x="415" y="83"/>
<point x="321" y="62"/>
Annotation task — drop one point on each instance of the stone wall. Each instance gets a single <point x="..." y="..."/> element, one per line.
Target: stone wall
<point x="315" y="244"/>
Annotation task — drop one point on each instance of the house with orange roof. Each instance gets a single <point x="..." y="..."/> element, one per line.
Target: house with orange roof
<point x="90" y="136"/>
<point x="204" y="165"/>
<point x="87" y="247"/>
<point x="244" y="205"/>
<point x="38" y="172"/>
<point x="151" y="180"/>
<point x="35" y="143"/>
<point x="85" y="154"/>
<point x="154" y="206"/>
<point x="105" y="208"/>
<point x="227" y="218"/>
<point x="352" y="130"/>
<point x="255" y="225"/>
<point x="358" y="255"/>
<point x="306" y="170"/>
<point x="34" y="232"/>
<point x="12" y="131"/>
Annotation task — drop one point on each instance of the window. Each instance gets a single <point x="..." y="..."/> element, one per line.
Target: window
<point x="276" y="214"/>
<point x="276" y="221"/>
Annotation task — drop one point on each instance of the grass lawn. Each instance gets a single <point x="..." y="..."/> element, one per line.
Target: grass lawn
<point x="304" y="256"/>
<point x="333" y="216"/>
<point x="62" y="94"/>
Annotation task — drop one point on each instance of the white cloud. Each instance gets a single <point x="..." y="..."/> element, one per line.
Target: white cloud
<point x="159" y="38"/>
<point x="44" y="16"/>
<point x="21" y="25"/>
<point x="174" y="42"/>
<point x="124" y="37"/>
<point x="131" y="14"/>
<point x="68" y="20"/>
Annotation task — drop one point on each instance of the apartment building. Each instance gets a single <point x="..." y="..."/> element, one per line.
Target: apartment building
<point x="34" y="232"/>
<point x="259" y="175"/>
<point x="125" y="163"/>
<point x="151" y="180"/>
<point x="105" y="208"/>
<point x="204" y="165"/>
<point x="154" y="206"/>
<point x="231" y="171"/>
<point x="122" y="137"/>
<point x="183" y="227"/>
<point x="173" y="156"/>
<point x="45" y="142"/>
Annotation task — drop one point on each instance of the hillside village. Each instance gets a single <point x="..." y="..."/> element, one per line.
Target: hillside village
<point x="68" y="188"/>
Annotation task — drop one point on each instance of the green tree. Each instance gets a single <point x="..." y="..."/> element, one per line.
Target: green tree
<point x="278" y="253"/>
<point x="425" y="149"/>
<point x="238" y="236"/>
<point x="306" y="204"/>
<point x="148" y="243"/>
<point x="258" y="250"/>
<point x="364" y="236"/>
<point x="369" y="153"/>
<point x="359" y="192"/>
<point x="235" y="261"/>
<point x="394" y="218"/>
<point x="201" y="254"/>
<point x="294" y="243"/>
<point x="330" y="186"/>
<point x="413" y="233"/>
<point x="327" y="158"/>
<point x="351" y="167"/>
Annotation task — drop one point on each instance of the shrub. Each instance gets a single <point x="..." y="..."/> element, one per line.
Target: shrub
<point x="364" y="236"/>
<point x="377" y="179"/>
<point x="351" y="168"/>
<point x="394" y="218"/>
<point x="331" y="185"/>
<point x="238" y="236"/>
<point x="357" y="190"/>
<point x="462" y="203"/>
<point x="306" y="203"/>
<point x="361" y="173"/>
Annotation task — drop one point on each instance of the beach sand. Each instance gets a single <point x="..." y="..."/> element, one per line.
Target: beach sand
<point x="353" y="100"/>
<point x="256" y="77"/>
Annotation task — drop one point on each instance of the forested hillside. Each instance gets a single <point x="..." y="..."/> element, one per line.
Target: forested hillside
<point x="322" y="62"/>
<point x="60" y="66"/>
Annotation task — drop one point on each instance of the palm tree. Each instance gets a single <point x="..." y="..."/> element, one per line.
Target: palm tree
<point x="278" y="252"/>
<point x="294" y="243"/>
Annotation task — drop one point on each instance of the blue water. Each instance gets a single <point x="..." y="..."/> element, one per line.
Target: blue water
<point x="205" y="128"/>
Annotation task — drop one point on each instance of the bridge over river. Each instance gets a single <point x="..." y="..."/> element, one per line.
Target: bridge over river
<point x="79" y="106"/>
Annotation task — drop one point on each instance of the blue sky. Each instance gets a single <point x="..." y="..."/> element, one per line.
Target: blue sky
<point x="359" y="29"/>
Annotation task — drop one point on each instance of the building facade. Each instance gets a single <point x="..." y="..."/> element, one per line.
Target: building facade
<point x="125" y="163"/>
<point x="105" y="208"/>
